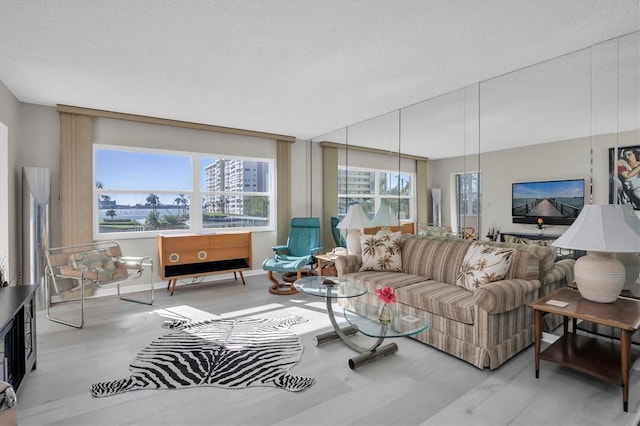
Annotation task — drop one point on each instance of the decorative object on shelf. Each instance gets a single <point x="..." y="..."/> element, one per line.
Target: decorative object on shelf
<point x="493" y="234"/>
<point x="353" y="222"/>
<point x="5" y="280"/>
<point x="540" y="226"/>
<point x="385" y="314"/>
<point x="601" y="230"/>
<point x="385" y="218"/>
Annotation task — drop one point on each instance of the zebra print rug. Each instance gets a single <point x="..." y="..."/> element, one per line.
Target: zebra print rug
<point x="227" y="353"/>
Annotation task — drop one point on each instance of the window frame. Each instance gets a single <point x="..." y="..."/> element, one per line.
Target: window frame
<point x="195" y="194"/>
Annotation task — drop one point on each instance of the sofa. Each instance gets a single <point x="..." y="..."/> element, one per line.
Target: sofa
<point x="482" y="321"/>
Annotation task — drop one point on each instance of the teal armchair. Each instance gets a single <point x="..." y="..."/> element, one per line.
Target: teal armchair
<point x="298" y="253"/>
<point x="337" y="236"/>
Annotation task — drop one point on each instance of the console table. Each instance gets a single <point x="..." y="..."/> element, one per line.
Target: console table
<point x="574" y="254"/>
<point x="18" y="333"/>
<point x="196" y="255"/>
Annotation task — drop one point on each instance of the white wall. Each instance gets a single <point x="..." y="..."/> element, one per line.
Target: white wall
<point x="568" y="159"/>
<point x="126" y="133"/>
<point x="10" y="117"/>
<point x="34" y="141"/>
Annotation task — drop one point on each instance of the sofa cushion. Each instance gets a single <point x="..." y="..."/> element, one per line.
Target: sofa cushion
<point x="541" y="248"/>
<point x="446" y="300"/>
<point x="381" y="252"/>
<point x="374" y="280"/>
<point x="438" y="259"/>
<point x="483" y="264"/>
<point x="432" y="231"/>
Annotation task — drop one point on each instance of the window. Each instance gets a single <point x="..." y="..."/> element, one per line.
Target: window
<point x="371" y="188"/>
<point x="149" y="191"/>
<point x="468" y="193"/>
<point x="235" y="192"/>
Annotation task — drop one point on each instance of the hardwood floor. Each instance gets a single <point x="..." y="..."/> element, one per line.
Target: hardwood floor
<point x="417" y="386"/>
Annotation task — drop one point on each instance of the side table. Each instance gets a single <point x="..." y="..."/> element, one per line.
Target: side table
<point x="325" y="260"/>
<point x="604" y="360"/>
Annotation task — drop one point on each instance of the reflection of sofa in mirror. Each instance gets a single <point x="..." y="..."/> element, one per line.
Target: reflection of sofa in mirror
<point x="484" y="327"/>
<point x="405" y="228"/>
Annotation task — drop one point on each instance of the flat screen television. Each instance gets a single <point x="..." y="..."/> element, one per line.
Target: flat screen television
<point x="557" y="202"/>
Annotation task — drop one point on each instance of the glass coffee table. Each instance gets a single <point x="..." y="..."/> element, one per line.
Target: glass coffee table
<point x="335" y="288"/>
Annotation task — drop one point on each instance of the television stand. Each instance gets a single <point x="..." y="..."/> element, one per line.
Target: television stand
<point x="567" y="254"/>
<point x="530" y="236"/>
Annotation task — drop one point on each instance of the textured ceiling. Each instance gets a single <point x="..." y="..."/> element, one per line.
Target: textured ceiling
<point x="300" y="68"/>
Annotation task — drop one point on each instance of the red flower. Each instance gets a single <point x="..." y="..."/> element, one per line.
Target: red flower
<point x="386" y="295"/>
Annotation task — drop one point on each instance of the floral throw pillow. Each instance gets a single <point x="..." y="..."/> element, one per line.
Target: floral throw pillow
<point x="483" y="264"/>
<point x="95" y="260"/>
<point x="381" y="252"/>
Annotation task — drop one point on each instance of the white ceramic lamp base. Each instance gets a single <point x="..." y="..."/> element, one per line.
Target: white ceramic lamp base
<point x="353" y="241"/>
<point x="599" y="277"/>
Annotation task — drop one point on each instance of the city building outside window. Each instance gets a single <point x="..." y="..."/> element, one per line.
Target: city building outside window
<point x="373" y="187"/>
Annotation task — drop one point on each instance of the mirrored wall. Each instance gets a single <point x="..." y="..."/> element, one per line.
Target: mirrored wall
<point x="565" y="119"/>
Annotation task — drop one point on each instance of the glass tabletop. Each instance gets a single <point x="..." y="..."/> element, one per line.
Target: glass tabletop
<point x="332" y="287"/>
<point x="401" y="325"/>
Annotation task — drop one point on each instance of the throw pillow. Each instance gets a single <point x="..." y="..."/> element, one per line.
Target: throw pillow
<point x="95" y="260"/>
<point x="483" y="264"/>
<point x="527" y="241"/>
<point x="381" y="252"/>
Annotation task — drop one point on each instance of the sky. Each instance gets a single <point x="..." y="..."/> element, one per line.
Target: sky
<point x="550" y="189"/>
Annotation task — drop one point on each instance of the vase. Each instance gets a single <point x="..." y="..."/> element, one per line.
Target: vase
<point x="540" y="231"/>
<point x="385" y="314"/>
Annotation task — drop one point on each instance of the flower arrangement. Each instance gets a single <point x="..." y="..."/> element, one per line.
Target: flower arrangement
<point x="385" y="315"/>
<point x="540" y="223"/>
<point x="386" y="295"/>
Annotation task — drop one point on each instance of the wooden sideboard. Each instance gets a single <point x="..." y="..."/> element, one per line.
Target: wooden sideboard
<point x="196" y="255"/>
<point x="405" y="228"/>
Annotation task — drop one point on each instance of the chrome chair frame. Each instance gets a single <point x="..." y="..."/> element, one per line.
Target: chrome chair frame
<point x="58" y="272"/>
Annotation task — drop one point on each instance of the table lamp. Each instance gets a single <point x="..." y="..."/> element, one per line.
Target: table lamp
<point x="385" y="218"/>
<point x="602" y="230"/>
<point x="353" y="222"/>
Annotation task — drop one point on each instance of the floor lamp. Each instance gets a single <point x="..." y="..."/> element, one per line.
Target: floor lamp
<point x="436" y="196"/>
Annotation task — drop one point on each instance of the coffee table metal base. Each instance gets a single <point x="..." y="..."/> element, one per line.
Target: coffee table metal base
<point x="367" y="355"/>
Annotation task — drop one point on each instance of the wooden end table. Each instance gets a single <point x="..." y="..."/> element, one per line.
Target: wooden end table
<point x="601" y="359"/>
<point x="325" y="260"/>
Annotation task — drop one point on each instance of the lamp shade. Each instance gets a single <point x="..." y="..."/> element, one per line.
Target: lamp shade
<point x="603" y="228"/>
<point x="600" y="230"/>
<point x="385" y="217"/>
<point x="353" y="222"/>
<point x="355" y="218"/>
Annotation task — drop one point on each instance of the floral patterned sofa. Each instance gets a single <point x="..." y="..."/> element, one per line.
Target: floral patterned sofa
<point x="474" y="295"/>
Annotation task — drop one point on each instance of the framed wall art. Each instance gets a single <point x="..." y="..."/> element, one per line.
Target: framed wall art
<point x="624" y="176"/>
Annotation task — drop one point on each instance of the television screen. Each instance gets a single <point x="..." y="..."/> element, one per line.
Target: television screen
<point x="557" y="202"/>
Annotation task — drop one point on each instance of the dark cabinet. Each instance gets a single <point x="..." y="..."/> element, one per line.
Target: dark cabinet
<point x="17" y="333"/>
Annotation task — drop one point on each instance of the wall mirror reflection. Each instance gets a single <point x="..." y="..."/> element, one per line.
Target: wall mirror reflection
<point x="561" y="120"/>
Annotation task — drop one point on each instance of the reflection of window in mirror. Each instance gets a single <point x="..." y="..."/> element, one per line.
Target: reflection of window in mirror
<point x="373" y="187"/>
<point x="467" y="214"/>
